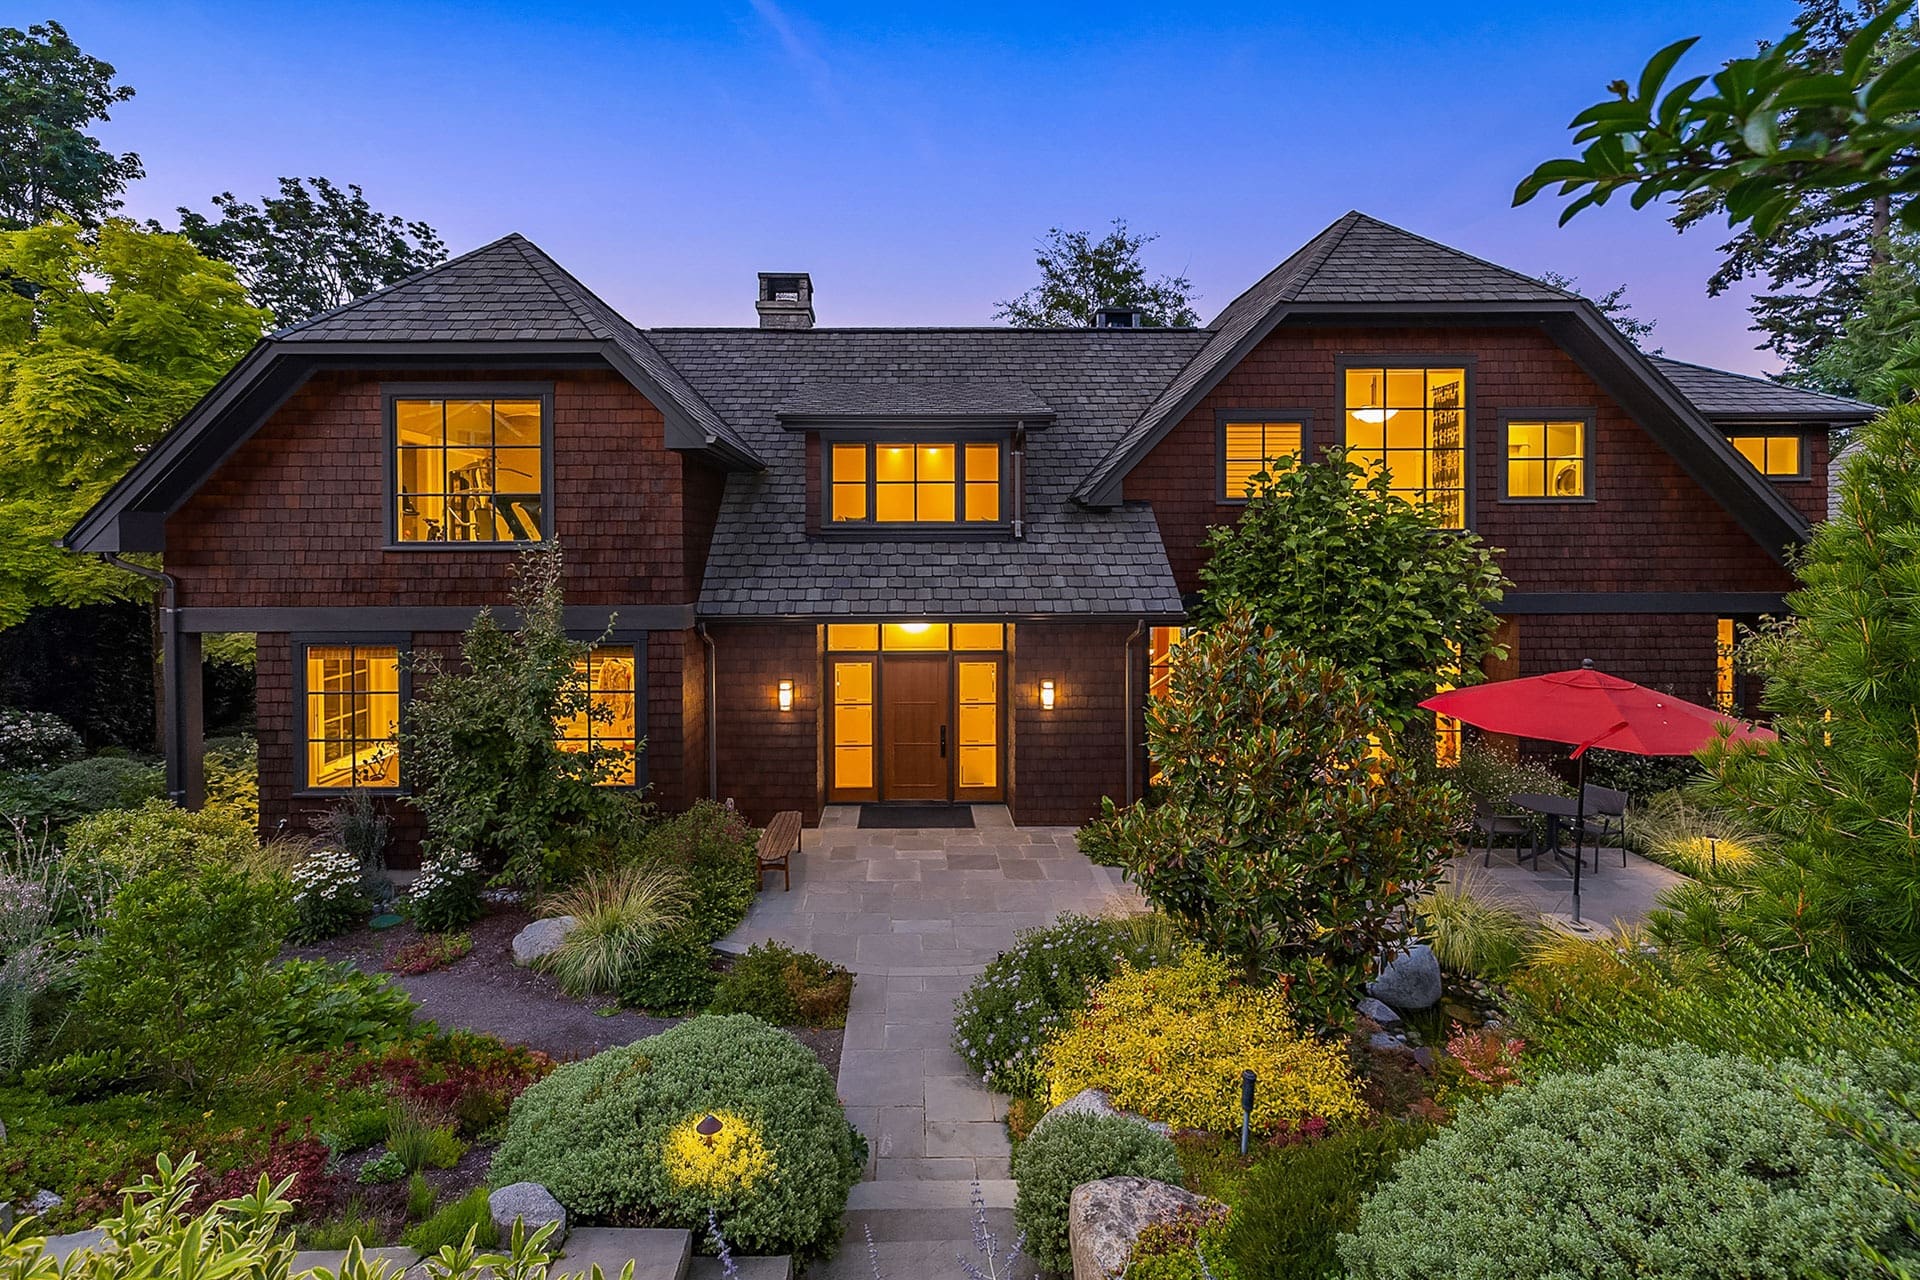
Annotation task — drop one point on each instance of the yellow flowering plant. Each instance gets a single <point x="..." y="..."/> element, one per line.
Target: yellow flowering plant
<point x="1170" y="1043"/>
<point x="731" y="1159"/>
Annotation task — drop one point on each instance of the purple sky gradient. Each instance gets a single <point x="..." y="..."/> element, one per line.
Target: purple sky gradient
<point x="910" y="155"/>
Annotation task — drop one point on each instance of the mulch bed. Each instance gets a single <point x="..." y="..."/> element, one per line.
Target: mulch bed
<point x="486" y="991"/>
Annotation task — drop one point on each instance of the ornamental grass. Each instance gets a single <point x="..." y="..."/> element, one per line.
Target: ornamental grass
<point x="1170" y="1043"/>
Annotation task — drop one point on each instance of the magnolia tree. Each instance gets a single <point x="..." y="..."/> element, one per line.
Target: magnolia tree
<point x="1283" y="838"/>
<point x="1341" y="569"/>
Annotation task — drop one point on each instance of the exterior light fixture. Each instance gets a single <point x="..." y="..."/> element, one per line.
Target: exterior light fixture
<point x="915" y="628"/>
<point x="786" y="704"/>
<point x="1046" y="695"/>
<point x="708" y="1129"/>
<point x="1247" y="1082"/>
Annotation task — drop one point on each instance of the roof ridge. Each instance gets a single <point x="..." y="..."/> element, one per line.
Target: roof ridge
<point x="385" y="289"/>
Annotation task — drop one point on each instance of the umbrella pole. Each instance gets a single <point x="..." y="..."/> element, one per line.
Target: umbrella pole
<point x="1579" y="832"/>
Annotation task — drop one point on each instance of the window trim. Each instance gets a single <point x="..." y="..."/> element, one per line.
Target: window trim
<point x="402" y="642"/>
<point x="1588" y="417"/>
<point x="1221" y="417"/>
<point x="870" y="530"/>
<point x="637" y="641"/>
<point x="389" y="474"/>
<point x="1470" y="373"/>
<point x="1763" y="429"/>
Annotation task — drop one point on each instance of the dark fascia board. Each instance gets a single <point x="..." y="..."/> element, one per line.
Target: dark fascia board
<point x="881" y="421"/>
<point x="1794" y="421"/>
<point x="131" y="517"/>
<point x="587" y="619"/>
<point x="1151" y="617"/>
<point x="1591" y="340"/>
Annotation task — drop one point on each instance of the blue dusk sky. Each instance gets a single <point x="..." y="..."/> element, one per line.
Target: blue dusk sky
<point x="911" y="155"/>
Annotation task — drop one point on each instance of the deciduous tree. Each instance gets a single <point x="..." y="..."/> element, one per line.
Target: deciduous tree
<point x="1079" y="275"/>
<point x="50" y="95"/>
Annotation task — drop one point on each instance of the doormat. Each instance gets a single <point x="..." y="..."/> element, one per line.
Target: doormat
<point x="898" y="816"/>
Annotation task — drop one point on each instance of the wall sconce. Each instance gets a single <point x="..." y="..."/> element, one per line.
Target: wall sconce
<point x="1046" y="695"/>
<point x="786" y="695"/>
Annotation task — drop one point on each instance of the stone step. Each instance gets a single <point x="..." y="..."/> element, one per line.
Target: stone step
<point x="397" y="1257"/>
<point x="61" y="1246"/>
<point x="768" y="1268"/>
<point x="657" y="1253"/>
<point x="927" y="1194"/>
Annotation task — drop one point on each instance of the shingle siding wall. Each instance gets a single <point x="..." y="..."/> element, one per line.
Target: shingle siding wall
<point x="298" y="515"/>
<point x="769" y="759"/>
<point x="1674" y="653"/>
<point x="1064" y="760"/>
<point x="1651" y="527"/>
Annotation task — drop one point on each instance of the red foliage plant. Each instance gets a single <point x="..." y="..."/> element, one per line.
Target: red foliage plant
<point x="470" y="1079"/>
<point x="314" y="1191"/>
<point x="1485" y="1055"/>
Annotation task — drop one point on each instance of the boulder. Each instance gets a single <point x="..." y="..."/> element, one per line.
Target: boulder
<point x="1383" y="1014"/>
<point x="531" y="1203"/>
<point x="43" y="1203"/>
<point x="541" y="939"/>
<point x="1410" y="981"/>
<point x="1104" y="1218"/>
<point x="1095" y="1102"/>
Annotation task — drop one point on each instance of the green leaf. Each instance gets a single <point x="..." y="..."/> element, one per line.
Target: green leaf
<point x="1661" y="65"/>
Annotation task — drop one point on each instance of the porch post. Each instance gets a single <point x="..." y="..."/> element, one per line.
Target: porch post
<point x="184" y="733"/>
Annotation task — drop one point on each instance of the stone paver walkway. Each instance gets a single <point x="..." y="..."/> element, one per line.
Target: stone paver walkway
<point x="916" y="914"/>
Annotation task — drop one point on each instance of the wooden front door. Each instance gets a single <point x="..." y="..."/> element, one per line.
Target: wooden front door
<point x="915" y="705"/>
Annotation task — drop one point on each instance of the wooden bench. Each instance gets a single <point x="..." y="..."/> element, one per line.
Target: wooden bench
<point x="778" y="843"/>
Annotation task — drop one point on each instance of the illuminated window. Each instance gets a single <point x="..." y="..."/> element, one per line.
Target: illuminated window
<point x="1547" y="459"/>
<point x="1246" y="448"/>
<point x="929" y="482"/>
<point x="977" y="707"/>
<point x="916" y="637"/>
<point x="1723" y="669"/>
<point x="1412" y="423"/>
<point x="608" y="727"/>
<point x="1161" y="642"/>
<point x="468" y="470"/>
<point x="1446" y="729"/>
<point x="853" y="739"/>
<point x="1773" y="455"/>
<point x="353" y="716"/>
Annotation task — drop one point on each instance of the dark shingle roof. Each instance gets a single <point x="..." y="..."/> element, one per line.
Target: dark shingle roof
<point x="930" y="397"/>
<point x="507" y="291"/>
<point x="1356" y="260"/>
<point x="1719" y="394"/>
<point x="1071" y="561"/>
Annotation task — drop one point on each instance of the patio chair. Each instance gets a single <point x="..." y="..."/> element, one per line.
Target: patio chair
<point x="1491" y="824"/>
<point x="1606" y="819"/>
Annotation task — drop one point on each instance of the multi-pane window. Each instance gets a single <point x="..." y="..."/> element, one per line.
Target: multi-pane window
<point x="468" y="470"/>
<point x="1547" y="458"/>
<point x="1773" y="455"/>
<point x="1725" y="676"/>
<point x="352" y="716"/>
<point x="1412" y="424"/>
<point x="608" y="725"/>
<point x="1246" y="449"/>
<point x="945" y="482"/>
<point x="1161" y="642"/>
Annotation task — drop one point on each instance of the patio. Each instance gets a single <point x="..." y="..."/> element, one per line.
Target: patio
<point x="916" y="914"/>
<point x="1613" y="893"/>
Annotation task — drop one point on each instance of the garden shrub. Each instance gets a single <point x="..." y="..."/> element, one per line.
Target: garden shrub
<point x="1471" y="932"/>
<point x="233" y="779"/>
<point x="613" y="1137"/>
<point x="182" y="980"/>
<point x="1489" y="777"/>
<point x="63" y="795"/>
<point x="1067" y="1151"/>
<point x="674" y="976"/>
<point x="107" y="849"/>
<point x="788" y="988"/>
<point x="36" y="740"/>
<point x="452" y="1222"/>
<point x="1669" y="1163"/>
<point x="357" y="1130"/>
<point x="326" y="895"/>
<point x="1170" y="1043"/>
<point x="1295" y="1202"/>
<point x="716" y="849"/>
<point x="1191" y="1247"/>
<point x="319" y="1004"/>
<point x="445" y="893"/>
<point x="386" y="1167"/>
<point x="1029" y="991"/>
<point x="618" y="915"/>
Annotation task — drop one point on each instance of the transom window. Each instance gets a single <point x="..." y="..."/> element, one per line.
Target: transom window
<point x="916" y="637"/>
<point x="352" y="716"/>
<point x="608" y="725"/>
<point x="1773" y="455"/>
<point x="1547" y="458"/>
<point x="1246" y="448"/>
<point x="469" y="470"/>
<point x="904" y="482"/>
<point x="1412" y="424"/>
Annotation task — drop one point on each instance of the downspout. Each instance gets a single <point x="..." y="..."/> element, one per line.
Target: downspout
<point x="1126" y="662"/>
<point x="713" y="719"/>
<point x="1019" y="479"/>
<point x="171" y="678"/>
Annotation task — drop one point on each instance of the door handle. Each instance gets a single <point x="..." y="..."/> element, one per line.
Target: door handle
<point x="943" y="742"/>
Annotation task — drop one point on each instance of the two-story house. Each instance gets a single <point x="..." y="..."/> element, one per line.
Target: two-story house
<point x="922" y="564"/>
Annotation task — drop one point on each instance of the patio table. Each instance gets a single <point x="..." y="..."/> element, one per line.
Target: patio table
<point x="1558" y="809"/>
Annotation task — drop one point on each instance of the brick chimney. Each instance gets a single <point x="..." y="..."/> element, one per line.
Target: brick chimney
<point x="786" y="300"/>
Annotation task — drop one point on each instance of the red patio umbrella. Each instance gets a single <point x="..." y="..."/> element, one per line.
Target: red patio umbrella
<point x="1587" y="708"/>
